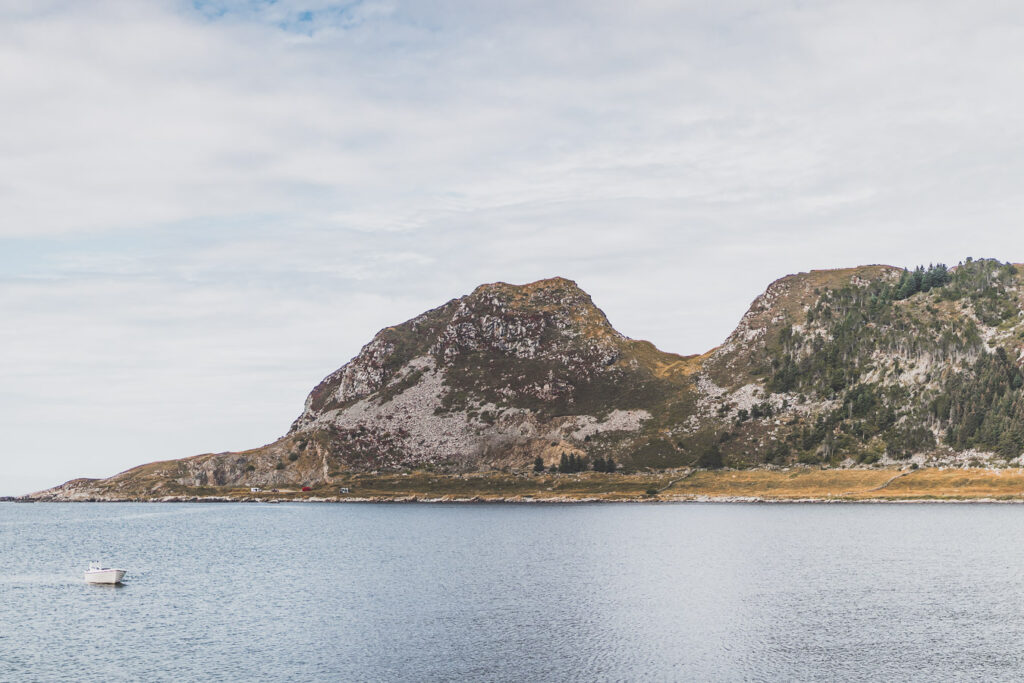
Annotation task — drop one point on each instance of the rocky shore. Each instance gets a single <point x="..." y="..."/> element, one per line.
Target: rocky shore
<point x="361" y="499"/>
<point x="556" y="500"/>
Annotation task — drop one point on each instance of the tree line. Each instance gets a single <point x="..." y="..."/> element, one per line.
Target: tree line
<point x="569" y="463"/>
<point x="922" y="280"/>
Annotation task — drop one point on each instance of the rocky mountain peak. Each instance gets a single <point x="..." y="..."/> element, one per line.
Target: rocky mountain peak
<point x="540" y="330"/>
<point x="556" y="294"/>
<point x="784" y="302"/>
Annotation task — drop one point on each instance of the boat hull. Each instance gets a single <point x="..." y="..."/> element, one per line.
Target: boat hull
<point x="108" y="576"/>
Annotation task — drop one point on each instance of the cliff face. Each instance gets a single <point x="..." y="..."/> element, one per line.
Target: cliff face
<point x="494" y="378"/>
<point x="863" y="365"/>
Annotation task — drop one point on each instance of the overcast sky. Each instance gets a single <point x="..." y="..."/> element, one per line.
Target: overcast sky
<point x="208" y="206"/>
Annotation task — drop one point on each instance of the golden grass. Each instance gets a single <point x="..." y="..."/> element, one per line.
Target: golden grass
<point x="797" y="483"/>
<point x="923" y="484"/>
<point x="673" y="365"/>
<point x="956" y="484"/>
<point x="781" y="484"/>
<point x="777" y="485"/>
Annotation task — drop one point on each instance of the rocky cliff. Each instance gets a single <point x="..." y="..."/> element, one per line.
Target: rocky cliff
<point x="833" y="368"/>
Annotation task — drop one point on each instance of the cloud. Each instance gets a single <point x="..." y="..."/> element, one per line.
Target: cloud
<point x="226" y="199"/>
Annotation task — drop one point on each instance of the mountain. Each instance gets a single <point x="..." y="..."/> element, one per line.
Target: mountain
<point x="833" y="368"/>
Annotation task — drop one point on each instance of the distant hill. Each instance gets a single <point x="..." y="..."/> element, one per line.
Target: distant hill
<point x="832" y="368"/>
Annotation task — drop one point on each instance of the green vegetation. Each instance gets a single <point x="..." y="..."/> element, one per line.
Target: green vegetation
<point x="922" y="280"/>
<point x="858" y="341"/>
<point x="710" y="458"/>
<point x="859" y="322"/>
<point x="571" y="462"/>
<point x="984" y="408"/>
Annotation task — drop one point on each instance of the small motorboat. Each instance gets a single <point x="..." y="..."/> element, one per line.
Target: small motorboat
<point x="97" y="573"/>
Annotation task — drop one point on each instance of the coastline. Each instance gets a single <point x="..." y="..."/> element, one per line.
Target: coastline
<point x="781" y="485"/>
<point x="476" y="500"/>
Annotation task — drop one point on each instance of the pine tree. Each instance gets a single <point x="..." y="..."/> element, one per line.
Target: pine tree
<point x="710" y="458"/>
<point x="538" y="464"/>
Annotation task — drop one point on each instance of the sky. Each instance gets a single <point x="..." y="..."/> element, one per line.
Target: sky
<point x="206" y="207"/>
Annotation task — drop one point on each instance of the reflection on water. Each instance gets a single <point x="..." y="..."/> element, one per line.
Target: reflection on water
<point x="591" y="592"/>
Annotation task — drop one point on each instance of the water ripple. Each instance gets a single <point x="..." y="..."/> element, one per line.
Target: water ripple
<point x="512" y="593"/>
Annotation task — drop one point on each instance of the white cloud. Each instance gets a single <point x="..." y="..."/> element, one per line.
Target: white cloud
<point x="208" y="206"/>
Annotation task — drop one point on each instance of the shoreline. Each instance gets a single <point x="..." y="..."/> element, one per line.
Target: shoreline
<point x="515" y="500"/>
<point x="787" y="485"/>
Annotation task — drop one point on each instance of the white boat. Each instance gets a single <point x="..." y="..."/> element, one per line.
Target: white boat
<point x="97" y="573"/>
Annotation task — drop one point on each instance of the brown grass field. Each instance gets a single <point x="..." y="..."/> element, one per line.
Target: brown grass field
<point x="793" y="484"/>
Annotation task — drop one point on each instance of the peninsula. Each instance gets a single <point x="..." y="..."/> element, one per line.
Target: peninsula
<point x="867" y="383"/>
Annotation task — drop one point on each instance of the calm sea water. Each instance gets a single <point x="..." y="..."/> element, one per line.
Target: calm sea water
<point x="498" y="592"/>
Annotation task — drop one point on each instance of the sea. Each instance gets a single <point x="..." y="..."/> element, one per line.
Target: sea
<point x="504" y="592"/>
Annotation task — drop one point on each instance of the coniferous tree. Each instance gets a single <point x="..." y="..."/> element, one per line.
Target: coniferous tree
<point x="538" y="464"/>
<point x="710" y="458"/>
<point x="918" y="278"/>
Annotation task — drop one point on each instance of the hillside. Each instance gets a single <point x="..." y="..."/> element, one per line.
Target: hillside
<point x="839" y="368"/>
